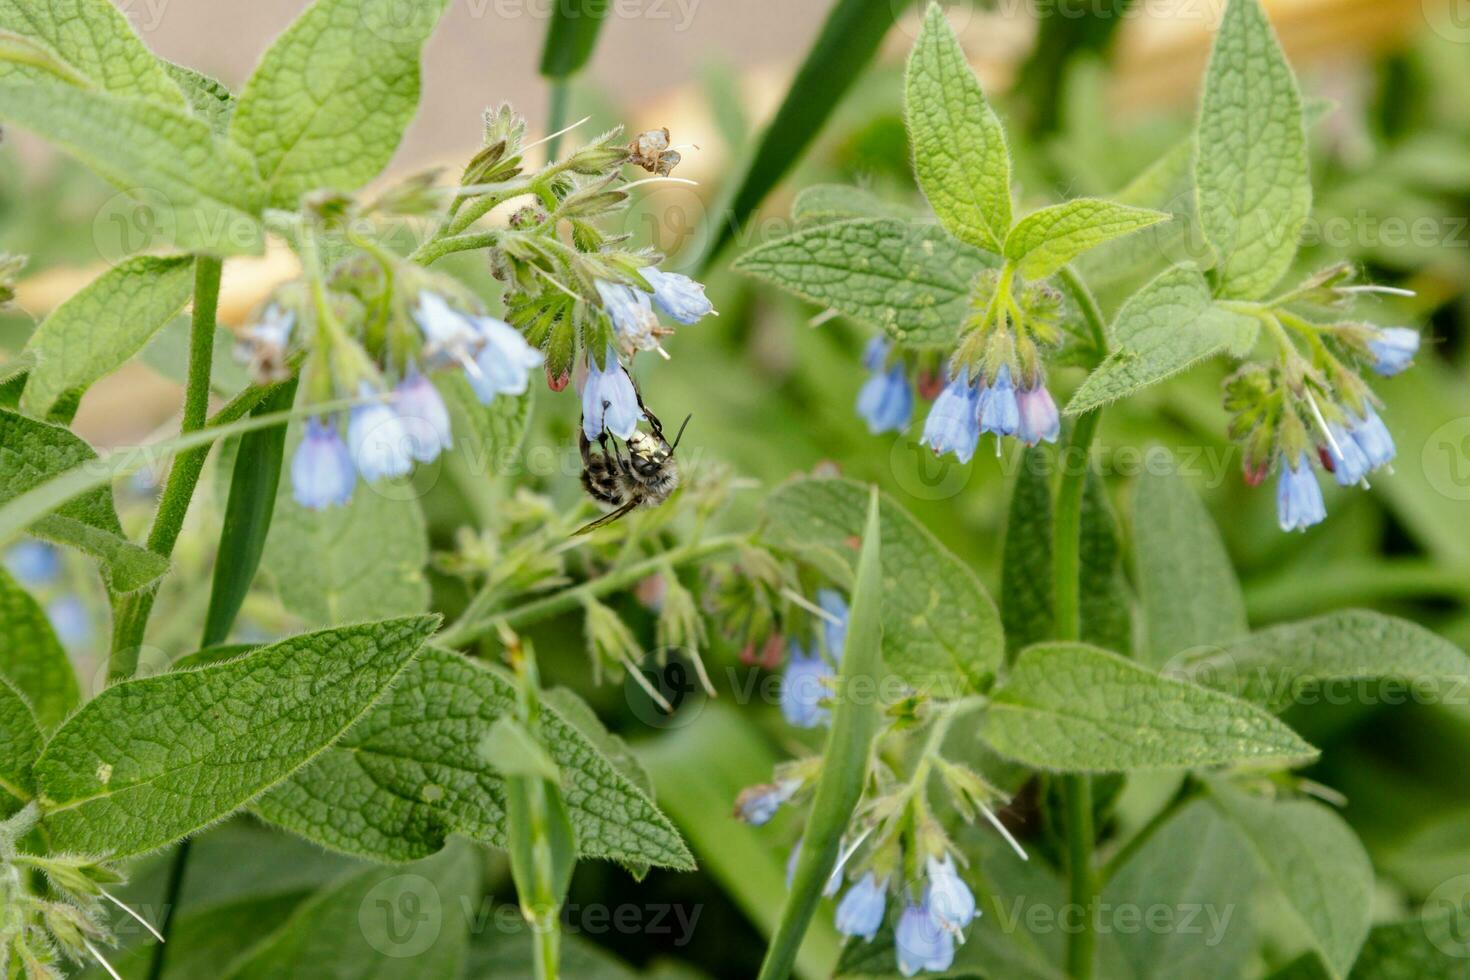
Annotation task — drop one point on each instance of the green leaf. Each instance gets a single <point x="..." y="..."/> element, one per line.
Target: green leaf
<point x="1274" y="667"/>
<point x="194" y="193"/>
<point x="31" y="453"/>
<point x="1189" y="591"/>
<point x="1167" y="326"/>
<point x="941" y="632"/>
<point x="20" y="743"/>
<point x="1429" y="946"/>
<point x="254" y="482"/>
<point x="1316" y="862"/>
<point x="349" y="563"/>
<point x="1074" y="708"/>
<point x="416" y="769"/>
<point x="845" y="758"/>
<point x="1045" y="240"/>
<point x="97" y="330"/>
<point x="149" y="761"/>
<point x="1026" y="570"/>
<point x="959" y="147"/>
<point x="848" y="41"/>
<point x="210" y="99"/>
<point x="1197" y="871"/>
<point x="1105" y="616"/>
<point x="31" y="658"/>
<point x="394" y="923"/>
<point x="579" y="714"/>
<point x="1251" y="167"/>
<point x="843" y="202"/>
<point x="571" y="36"/>
<point x="911" y="280"/>
<point x="330" y="100"/>
<point x="489" y="436"/>
<point x="94" y="38"/>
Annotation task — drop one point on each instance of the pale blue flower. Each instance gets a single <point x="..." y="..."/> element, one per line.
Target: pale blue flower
<point x="997" y="407"/>
<point x="886" y="401"/>
<point x="756" y="805"/>
<point x="1374" y="438"/>
<point x="803" y="689"/>
<point x="680" y="297"/>
<point x="834" y="633"/>
<point x="33" y="562"/>
<point x="875" y="352"/>
<point x="380" y="446"/>
<point x="423" y="415"/>
<point x="450" y="335"/>
<point x="860" y="913"/>
<point x="1298" y="497"/>
<point x="949" y="899"/>
<point x="609" y="401"/>
<point x="1038" y="414"/>
<point x="921" y="942"/>
<point x="504" y="363"/>
<point x="953" y="425"/>
<point x="321" y="471"/>
<point x="1349" y="463"/>
<point x="1394" y="349"/>
<point x="631" y="314"/>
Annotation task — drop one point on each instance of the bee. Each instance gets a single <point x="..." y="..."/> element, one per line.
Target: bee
<point x="645" y="478"/>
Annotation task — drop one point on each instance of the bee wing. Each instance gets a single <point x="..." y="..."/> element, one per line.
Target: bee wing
<point x="605" y="519"/>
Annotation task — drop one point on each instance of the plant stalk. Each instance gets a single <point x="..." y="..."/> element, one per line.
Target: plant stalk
<point x="131" y="612"/>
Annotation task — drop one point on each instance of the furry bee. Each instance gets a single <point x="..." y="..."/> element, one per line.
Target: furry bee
<point x="645" y="478"/>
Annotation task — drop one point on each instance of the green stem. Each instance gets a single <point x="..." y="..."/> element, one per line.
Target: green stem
<point x="479" y="618"/>
<point x="556" y="115"/>
<point x="131" y="612"/>
<point x="548" y="944"/>
<point x="176" y="871"/>
<point x="431" y="252"/>
<point x="1077" y="787"/>
<point x="1085" y="301"/>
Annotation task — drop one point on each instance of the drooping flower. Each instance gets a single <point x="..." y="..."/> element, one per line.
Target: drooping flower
<point x="921" y="942"/>
<point x="1349" y="464"/>
<point x="803" y="688"/>
<point x="1394" y="349"/>
<point x="33" y="562"/>
<point x="449" y="335"/>
<point x="631" y="314"/>
<point x="1298" y="497"/>
<point x="609" y="401"/>
<point x="953" y="425"/>
<point x="997" y="409"/>
<point x="886" y="401"/>
<point x="1039" y="419"/>
<point x="860" y="913"/>
<point x="949" y="899"/>
<point x="834" y="630"/>
<point x="756" y="805"/>
<point x="376" y="438"/>
<point x="680" y="297"/>
<point x="322" y="475"/>
<point x="424" y="418"/>
<point x="504" y="363"/>
<point x="1374" y="438"/>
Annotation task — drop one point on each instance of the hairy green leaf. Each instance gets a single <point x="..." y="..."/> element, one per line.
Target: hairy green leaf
<point x="31" y="453"/>
<point x="1164" y="328"/>
<point x="941" y="632"/>
<point x="1188" y="588"/>
<point x="393" y="923"/>
<point x="1251" y="167"/>
<point x="489" y="436"/>
<point x="1314" y="658"/>
<point x="821" y="203"/>
<point x="1197" y="871"/>
<point x="149" y="761"/>
<point x="192" y="192"/>
<point x="95" y="39"/>
<point x="1075" y="708"/>
<point x="97" y="330"/>
<point x="330" y="100"/>
<point x="20" y="743"/>
<point x="349" y="563"/>
<point x="210" y="99"/>
<point x="1317" y="863"/>
<point x="1026" y="570"/>
<point x="910" y="280"/>
<point x="31" y="658"/>
<point x="959" y="147"/>
<point x="1045" y="240"/>
<point x="417" y="769"/>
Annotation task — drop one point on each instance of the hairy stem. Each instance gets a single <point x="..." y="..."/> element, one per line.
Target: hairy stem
<point x="1076" y="788"/>
<point x="131" y="612"/>
<point x="1083" y="297"/>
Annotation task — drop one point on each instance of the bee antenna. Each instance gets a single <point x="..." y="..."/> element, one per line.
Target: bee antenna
<point x="680" y="434"/>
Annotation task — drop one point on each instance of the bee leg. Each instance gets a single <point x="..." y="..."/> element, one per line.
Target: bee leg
<point x="653" y="422"/>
